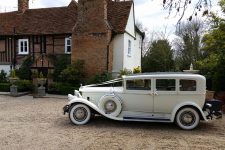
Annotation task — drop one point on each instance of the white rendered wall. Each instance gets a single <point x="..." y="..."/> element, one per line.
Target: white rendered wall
<point x="130" y="28"/>
<point x="134" y="59"/>
<point x="6" y="68"/>
<point x="118" y="51"/>
<point x="121" y="59"/>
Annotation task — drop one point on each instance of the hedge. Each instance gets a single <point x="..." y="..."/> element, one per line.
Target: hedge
<point x="23" y="86"/>
<point x="61" y="88"/>
<point x="5" y="87"/>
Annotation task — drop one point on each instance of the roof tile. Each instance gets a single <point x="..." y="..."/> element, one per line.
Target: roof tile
<point x="58" y="20"/>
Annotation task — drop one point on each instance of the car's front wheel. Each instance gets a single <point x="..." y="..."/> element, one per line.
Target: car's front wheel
<point x="79" y="114"/>
<point x="187" y="118"/>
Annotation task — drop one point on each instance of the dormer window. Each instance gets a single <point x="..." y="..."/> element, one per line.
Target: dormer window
<point x="68" y="45"/>
<point x="23" y="46"/>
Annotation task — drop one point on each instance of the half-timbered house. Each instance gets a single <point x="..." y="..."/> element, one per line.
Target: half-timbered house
<point x="100" y="32"/>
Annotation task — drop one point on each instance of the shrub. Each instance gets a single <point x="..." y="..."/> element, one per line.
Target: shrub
<point x="74" y="73"/>
<point x="24" y="85"/>
<point x="101" y="78"/>
<point x="34" y="74"/>
<point x="3" y="78"/>
<point x="24" y="72"/>
<point x="137" y="70"/>
<point x="61" y="88"/>
<point x="13" y="74"/>
<point x="60" y="62"/>
<point x="5" y="87"/>
<point x="124" y="72"/>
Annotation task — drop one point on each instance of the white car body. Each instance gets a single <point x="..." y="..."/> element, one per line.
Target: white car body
<point x="144" y="102"/>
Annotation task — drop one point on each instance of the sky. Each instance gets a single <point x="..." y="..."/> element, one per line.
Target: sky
<point x="149" y="12"/>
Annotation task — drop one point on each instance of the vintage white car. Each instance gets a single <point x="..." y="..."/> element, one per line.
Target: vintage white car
<point x="156" y="97"/>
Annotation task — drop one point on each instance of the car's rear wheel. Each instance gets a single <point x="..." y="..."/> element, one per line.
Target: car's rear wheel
<point x="187" y="118"/>
<point x="79" y="114"/>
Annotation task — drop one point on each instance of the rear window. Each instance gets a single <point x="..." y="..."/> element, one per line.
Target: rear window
<point x="165" y="84"/>
<point x="187" y="85"/>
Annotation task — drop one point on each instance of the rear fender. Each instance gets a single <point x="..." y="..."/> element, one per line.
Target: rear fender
<point x="173" y="116"/>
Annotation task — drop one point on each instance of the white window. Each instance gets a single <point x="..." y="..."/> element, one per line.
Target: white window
<point x="129" y="48"/>
<point x="68" y="45"/>
<point x="23" y="46"/>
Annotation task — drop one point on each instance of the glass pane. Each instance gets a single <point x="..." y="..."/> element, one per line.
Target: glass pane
<point x="165" y="84"/>
<point x="68" y="49"/>
<point x="68" y="42"/>
<point x="139" y="84"/>
<point x="129" y="47"/>
<point x="25" y="49"/>
<point x="187" y="85"/>
<point x="25" y="43"/>
<point x="21" y="44"/>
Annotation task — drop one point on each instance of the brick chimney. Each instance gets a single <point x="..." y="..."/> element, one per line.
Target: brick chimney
<point x="23" y="5"/>
<point x="91" y="36"/>
<point x="92" y="15"/>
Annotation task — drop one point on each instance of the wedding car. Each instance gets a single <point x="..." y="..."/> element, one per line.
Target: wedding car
<point x="155" y="97"/>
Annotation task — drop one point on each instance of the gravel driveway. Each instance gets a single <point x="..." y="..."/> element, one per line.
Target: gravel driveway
<point x="38" y="124"/>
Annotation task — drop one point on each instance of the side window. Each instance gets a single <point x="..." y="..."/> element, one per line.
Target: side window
<point x="165" y="84"/>
<point x="139" y="84"/>
<point x="187" y="85"/>
<point x="129" y="48"/>
<point x="23" y="46"/>
<point x="68" y="45"/>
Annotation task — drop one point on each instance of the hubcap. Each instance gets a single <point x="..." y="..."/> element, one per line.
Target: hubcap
<point x="110" y="106"/>
<point x="80" y="114"/>
<point x="187" y="118"/>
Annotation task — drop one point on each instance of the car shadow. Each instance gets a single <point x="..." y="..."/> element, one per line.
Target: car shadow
<point x="104" y="123"/>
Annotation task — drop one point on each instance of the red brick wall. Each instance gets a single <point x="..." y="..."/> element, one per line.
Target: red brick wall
<point x="93" y="50"/>
<point x="91" y="37"/>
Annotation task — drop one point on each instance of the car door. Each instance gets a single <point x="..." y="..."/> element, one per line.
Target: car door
<point x="138" y="95"/>
<point x="165" y="95"/>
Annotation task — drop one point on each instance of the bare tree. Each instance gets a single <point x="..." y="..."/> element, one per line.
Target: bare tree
<point x="180" y="7"/>
<point x="147" y="39"/>
<point x="187" y="43"/>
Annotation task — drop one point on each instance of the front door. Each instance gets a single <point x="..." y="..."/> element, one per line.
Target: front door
<point x="138" y="95"/>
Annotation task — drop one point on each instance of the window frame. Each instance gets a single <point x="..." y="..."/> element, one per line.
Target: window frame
<point x="67" y="45"/>
<point x="166" y="91"/>
<point x="22" y="51"/>
<point x="186" y="92"/>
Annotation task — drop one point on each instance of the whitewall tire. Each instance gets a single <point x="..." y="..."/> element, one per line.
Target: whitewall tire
<point x="187" y="118"/>
<point x="111" y="105"/>
<point x="79" y="114"/>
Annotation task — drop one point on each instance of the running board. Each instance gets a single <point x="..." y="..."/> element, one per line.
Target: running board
<point x="146" y="119"/>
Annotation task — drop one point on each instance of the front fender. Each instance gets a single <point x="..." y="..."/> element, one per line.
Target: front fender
<point x="93" y="106"/>
<point x="189" y="103"/>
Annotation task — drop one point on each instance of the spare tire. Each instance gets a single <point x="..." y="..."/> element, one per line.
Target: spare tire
<point x="110" y="104"/>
